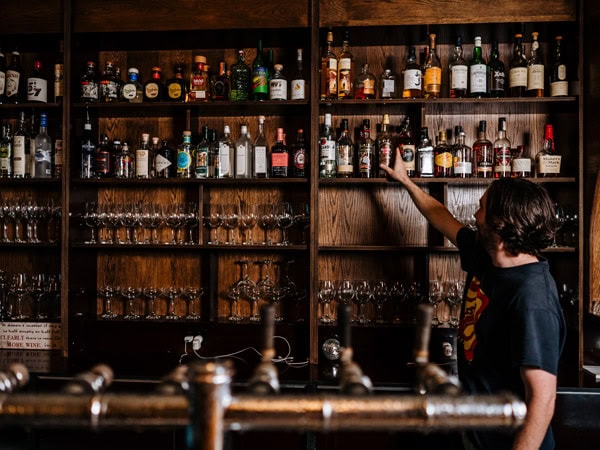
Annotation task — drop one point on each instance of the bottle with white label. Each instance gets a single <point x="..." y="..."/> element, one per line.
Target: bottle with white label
<point x="243" y="154"/>
<point x="327" y="160"/>
<point x="37" y="85"/>
<point x="278" y="84"/>
<point x="20" y="149"/>
<point x="548" y="159"/>
<point x="43" y="150"/>
<point x="559" y="84"/>
<point x="478" y="73"/>
<point x="142" y="157"/>
<point x="6" y="151"/>
<point x="260" y="168"/>
<point x="224" y="168"/>
<point x="298" y="84"/>
<point x="462" y="156"/>
<point x="535" y="69"/>
<point x="521" y="163"/>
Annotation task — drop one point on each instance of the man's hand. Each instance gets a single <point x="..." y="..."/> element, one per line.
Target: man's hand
<point x="398" y="172"/>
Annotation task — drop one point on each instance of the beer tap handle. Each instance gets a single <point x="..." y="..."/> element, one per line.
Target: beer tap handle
<point x="264" y="381"/>
<point x="93" y="381"/>
<point x="352" y="379"/>
<point x="13" y="378"/>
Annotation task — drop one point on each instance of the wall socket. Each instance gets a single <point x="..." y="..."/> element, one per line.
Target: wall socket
<point x="197" y="342"/>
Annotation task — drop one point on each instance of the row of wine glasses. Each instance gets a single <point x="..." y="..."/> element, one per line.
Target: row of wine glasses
<point x="29" y="296"/>
<point x="150" y="303"/>
<point x="20" y="219"/>
<point x="244" y="218"/>
<point x="141" y="222"/>
<point x="568" y="232"/>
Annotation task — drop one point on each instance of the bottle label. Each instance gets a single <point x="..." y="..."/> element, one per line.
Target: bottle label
<point x="444" y="160"/>
<point x="345" y="165"/>
<point x="37" y="90"/>
<point x="327" y="149"/>
<point x="161" y="163"/>
<point x="518" y="77"/>
<point x="459" y="77"/>
<point x="19" y="156"/>
<point x="559" y="88"/>
<point x="259" y="80"/>
<point x="548" y="165"/>
<point x="184" y="160"/>
<point x="408" y="156"/>
<point x="279" y="160"/>
<point x="478" y="73"/>
<point x="463" y="168"/>
<point x="426" y="164"/>
<point x="365" y="160"/>
<point x="369" y="87"/>
<point x="433" y="79"/>
<point x="224" y="166"/>
<point x="240" y="160"/>
<point x="503" y="158"/>
<point x="141" y="163"/>
<point x="299" y="159"/>
<point x="260" y="159"/>
<point x="497" y="78"/>
<point x="89" y="90"/>
<point x="298" y="90"/>
<point x="2" y="82"/>
<point x="58" y="155"/>
<point x="278" y="89"/>
<point x="521" y="165"/>
<point x="385" y="153"/>
<point x="345" y="83"/>
<point x="201" y="169"/>
<point x="412" y="79"/>
<point x="151" y="90"/>
<point x="43" y="162"/>
<point x="174" y="91"/>
<point x="332" y="74"/>
<point x="388" y="88"/>
<point x="535" y="76"/>
<point x="129" y="91"/>
<point x="12" y="83"/>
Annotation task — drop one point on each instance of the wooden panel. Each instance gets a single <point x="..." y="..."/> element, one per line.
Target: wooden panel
<point x="414" y="12"/>
<point x="595" y="250"/>
<point x="31" y="17"/>
<point x="137" y="15"/>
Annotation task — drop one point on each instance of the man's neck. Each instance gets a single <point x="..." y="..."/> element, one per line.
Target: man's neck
<point x="504" y="260"/>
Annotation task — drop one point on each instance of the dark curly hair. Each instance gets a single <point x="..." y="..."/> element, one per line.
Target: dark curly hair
<point x="522" y="214"/>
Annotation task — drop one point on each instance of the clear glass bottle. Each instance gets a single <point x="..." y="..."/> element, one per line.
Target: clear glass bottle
<point x="124" y="161"/>
<point x="458" y="72"/>
<point x="432" y="71"/>
<point x="366" y="152"/>
<point x="202" y="168"/>
<point x="260" y="166"/>
<point x="175" y="88"/>
<point x="154" y="87"/>
<point x="344" y="149"/>
<point x="329" y="71"/>
<point x="260" y="75"/>
<point x="16" y="87"/>
<point x="240" y="79"/>
<point x="425" y="155"/>
<point x="327" y="158"/>
<point x="558" y="81"/>
<point x="443" y="166"/>
<point x="20" y="149"/>
<point x="483" y="150"/>
<point x="280" y="157"/>
<point x="517" y="75"/>
<point x="365" y="84"/>
<point x="199" y="86"/>
<point x="108" y="87"/>
<point x="142" y="157"/>
<point x="37" y="85"/>
<point x="165" y="161"/>
<point x="406" y="145"/>
<point x="478" y="73"/>
<point x="185" y="156"/>
<point x="345" y="71"/>
<point x="154" y="148"/>
<point x="502" y="152"/>
<point x="521" y="163"/>
<point x="243" y="154"/>
<point x="278" y="84"/>
<point x="496" y="73"/>
<point x="298" y="82"/>
<point x="87" y="150"/>
<point x="462" y="156"/>
<point x="384" y="146"/>
<point x="299" y="156"/>
<point x="132" y="90"/>
<point x="43" y="150"/>
<point x="214" y="167"/>
<point x="225" y="167"/>
<point x="221" y="85"/>
<point x="535" y="69"/>
<point x="548" y="159"/>
<point x="388" y="85"/>
<point x="6" y="146"/>
<point x="412" y="76"/>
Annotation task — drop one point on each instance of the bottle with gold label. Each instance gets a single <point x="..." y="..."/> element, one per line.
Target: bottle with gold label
<point x="365" y="84"/>
<point x="153" y="88"/>
<point x="346" y="71"/>
<point x="432" y="72"/>
<point x="176" y="86"/>
<point x="384" y="145"/>
<point x="329" y="71"/>
<point x="199" y="89"/>
<point x="442" y="157"/>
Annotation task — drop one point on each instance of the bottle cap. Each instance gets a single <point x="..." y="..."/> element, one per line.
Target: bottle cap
<point x="278" y="67"/>
<point x="200" y="59"/>
<point x="244" y="129"/>
<point x="133" y="70"/>
<point x="187" y="133"/>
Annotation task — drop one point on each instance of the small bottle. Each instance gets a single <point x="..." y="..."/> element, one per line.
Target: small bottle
<point x="214" y="167"/>
<point x="278" y="84"/>
<point x="344" y="149"/>
<point x="521" y="163"/>
<point x="199" y="89"/>
<point x="387" y="85"/>
<point x="225" y="167"/>
<point x="260" y="74"/>
<point x="329" y="71"/>
<point x="221" y="85"/>
<point x="412" y="76"/>
<point x="548" y="159"/>
<point x="108" y="87"/>
<point x="406" y="145"/>
<point x="384" y="146"/>
<point x="327" y="159"/>
<point x="20" y="149"/>
<point x="175" y="87"/>
<point x="16" y="87"/>
<point x="484" y="152"/>
<point x="517" y="75"/>
<point x="241" y="79"/>
<point x="165" y="165"/>
<point x="260" y="166"/>
<point x="89" y="84"/>
<point x="299" y="156"/>
<point x="43" y="150"/>
<point x="535" y="69"/>
<point x="102" y="163"/>
<point x="154" y="88"/>
<point x="558" y="81"/>
<point x="243" y="154"/>
<point x="184" y="156"/>
<point x="462" y="156"/>
<point x="119" y="83"/>
<point x="124" y="166"/>
<point x="37" y="85"/>
<point x="154" y="148"/>
<point x="59" y="76"/>
<point x="425" y="155"/>
<point x="443" y="166"/>
<point x="366" y="152"/>
<point x="132" y="90"/>
<point x="365" y="84"/>
<point x="58" y="156"/>
<point x="280" y="157"/>
<point x="298" y="82"/>
<point x="6" y="150"/>
<point x="496" y="73"/>
<point x="202" y="169"/>
<point x="346" y="71"/>
<point x="458" y="72"/>
<point x="142" y="157"/>
<point x="502" y="152"/>
<point x="432" y="71"/>
<point x="478" y="73"/>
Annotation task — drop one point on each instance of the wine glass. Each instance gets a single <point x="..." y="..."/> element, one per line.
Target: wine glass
<point x="172" y="293"/>
<point x="267" y="221"/>
<point x="5" y="216"/>
<point x="559" y="214"/>
<point x="38" y="289"/>
<point x="398" y="296"/>
<point x="213" y="219"/>
<point x="233" y="294"/>
<point x="19" y="287"/>
<point x="380" y="297"/>
<point x="91" y="220"/>
<point x="130" y="219"/>
<point x="248" y="220"/>
<point x="302" y="219"/>
<point x="174" y="220"/>
<point x="107" y="293"/>
<point x="151" y="293"/>
<point x="453" y="292"/>
<point x="285" y="219"/>
<point x="325" y="294"/>
<point x="435" y="297"/>
<point x="364" y="295"/>
<point x="129" y="294"/>
<point x="231" y="220"/>
<point x="192" y="294"/>
<point x="191" y="220"/>
<point x="151" y="218"/>
<point x="265" y="287"/>
<point x="346" y="292"/>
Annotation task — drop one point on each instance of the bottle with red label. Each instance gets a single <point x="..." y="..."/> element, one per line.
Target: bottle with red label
<point x="280" y="156"/>
<point x="199" y="89"/>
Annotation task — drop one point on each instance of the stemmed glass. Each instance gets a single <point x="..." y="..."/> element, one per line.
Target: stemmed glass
<point x="15" y="214"/>
<point x="38" y="288"/>
<point x="243" y="286"/>
<point x="130" y="219"/>
<point x="398" y="296"/>
<point x="112" y="221"/>
<point x="267" y="221"/>
<point x="174" y="219"/>
<point x="302" y="219"/>
<point x="151" y="293"/>
<point x="191" y="219"/>
<point x="453" y="292"/>
<point x="129" y="294"/>
<point x="231" y="220"/>
<point x="326" y="293"/>
<point x="107" y="293"/>
<point x="346" y="292"/>
<point x="172" y="293"/>
<point x="285" y="219"/>
<point x="381" y="296"/>
<point x="264" y="286"/>
<point x="151" y="218"/>
<point x="4" y="304"/>
<point x="5" y="216"/>
<point x="364" y="294"/>
<point x="213" y="219"/>
<point x="19" y="287"/>
<point x="192" y="294"/>
<point x="436" y="295"/>
<point x="559" y="214"/>
<point x="248" y="221"/>
<point x="91" y="220"/>
<point x="54" y="213"/>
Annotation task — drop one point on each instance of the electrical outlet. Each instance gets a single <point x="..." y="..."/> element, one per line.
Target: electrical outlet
<point x="188" y="339"/>
<point x="197" y="342"/>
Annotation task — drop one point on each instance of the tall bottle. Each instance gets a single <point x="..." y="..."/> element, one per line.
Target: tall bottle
<point x="124" y="166"/>
<point x="432" y="71"/>
<point x="366" y="152"/>
<point x="517" y="75"/>
<point x="43" y="150"/>
<point x="384" y="146"/>
<point x="221" y="85"/>
<point x="132" y="91"/>
<point x="412" y="76"/>
<point x="199" y="87"/>
<point x="299" y="156"/>
<point x="154" y="87"/>
<point x="298" y="82"/>
<point x="58" y="155"/>
<point x="329" y="71"/>
<point x="108" y="86"/>
<point x="278" y="84"/>
<point x="458" y="72"/>
<point x="143" y="157"/>
<point x="165" y="161"/>
<point x="59" y="74"/>
<point x="535" y="69"/>
<point x="558" y="81"/>
<point x="280" y="157"/>
<point x="202" y="168"/>
<point x="89" y="84"/>
<point x="184" y="156"/>
<point x="37" y="85"/>
<point x="443" y="166"/>
<point x="327" y="159"/>
<point x="346" y="71"/>
<point x="502" y="152"/>
<point x="425" y="155"/>
<point x="102" y="164"/>
<point x="243" y="154"/>
<point x="548" y="159"/>
<point x="225" y="167"/>
<point x="15" y="91"/>
<point x="175" y="88"/>
<point x="21" y="150"/>
<point x="6" y="147"/>
<point x="214" y="167"/>
<point x="496" y="73"/>
<point x="260" y="74"/>
<point x="478" y="73"/>
<point x="2" y="76"/>
<point x="406" y="145"/>
<point x="344" y="149"/>
<point x="241" y="79"/>
<point x="484" y="152"/>
<point x="260" y="165"/>
<point x="462" y="156"/>
<point x="365" y="84"/>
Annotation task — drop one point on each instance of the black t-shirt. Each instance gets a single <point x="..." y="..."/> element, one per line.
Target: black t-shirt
<point x="511" y="319"/>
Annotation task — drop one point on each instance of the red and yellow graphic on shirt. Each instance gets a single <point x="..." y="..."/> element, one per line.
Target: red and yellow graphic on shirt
<point x="475" y="303"/>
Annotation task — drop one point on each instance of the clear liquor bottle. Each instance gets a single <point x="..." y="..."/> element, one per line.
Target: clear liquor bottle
<point x="432" y="71"/>
<point x="125" y="162"/>
<point x="15" y="90"/>
<point x="384" y="146"/>
<point x="344" y="149"/>
<point x="108" y="87"/>
<point x="87" y="150"/>
<point x="365" y="84"/>
<point x="278" y="84"/>
<point x="43" y="150"/>
<point x="221" y="85"/>
<point x="462" y="156"/>
<point x="346" y="71"/>
<point x="412" y="76"/>
<point x="388" y="85"/>
<point x="483" y="150"/>
<point x="327" y="159"/>
<point x="548" y="159"/>
<point x="225" y="165"/>
<point x="154" y="148"/>
<point x="37" y="85"/>
<point x="260" y="166"/>
<point x="558" y="81"/>
<point x="458" y="72"/>
<point x="260" y="75"/>
<point x="202" y="168"/>
<point x="20" y="149"/>
<point x="185" y="156"/>
<point x="502" y="152"/>
<point x="154" y="87"/>
<point x="298" y="82"/>
<point x="240" y="79"/>
<point x="443" y="163"/>
<point x="497" y="73"/>
<point x="478" y="73"/>
<point x="425" y="155"/>
<point x="175" y="87"/>
<point x="535" y="69"/>
<point x="280" y="157"/>
<point x="406" y="145"/>
<point x="329" y="71"/>
<point x="6" y="146"/>
<point x="366" y="152"/>
<point x="517" y="75"/>
<point x="243" y="154"/>
<point x="132" y="90"/>
<point x="521" y="163"/>
<point x="142" y="157"/>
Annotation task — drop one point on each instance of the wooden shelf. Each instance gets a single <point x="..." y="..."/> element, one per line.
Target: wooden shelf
<point x="137" y="182"/>
<point x="453" y="181"/>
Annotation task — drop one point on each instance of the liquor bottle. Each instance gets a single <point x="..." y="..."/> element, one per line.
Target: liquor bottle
<point x="225" y="165"/>
<point x="43" y="150"/>
<point x="37" y="85"/>
<point x="521" y="163"/>
<point x="260" y="74"/>
<point x="535" y="69"/>
<point x="58" y="156"/>
<point x="548" y="159"/>
<point x="462" y="156"/>
<point x="240" y="79"/>
<point x="412" y="76"/>
<point x="15" y="80"/>
<point x="108" y="86"/>
<point x="345" y="71"/>
<point x="406" y="145"/>
<point x="221" y="84"/>
<point x="199" y="83"/>
<point x="280" y="157"/>
<point x="87" y="150"/>
<point x="502" y="152"/>
<point x="327" y="159"/>
<point x="366" y="152"/>
<point x="176" y="86"/>
<point x="102" y="158"/>
<point x="365" y="84"/>
<point x="142" y="157"/>
<point x="388" y="85"/>
<point x="20" y="150"/>
<point x="443" y="163"/>
<point x="344" y="149"/>
<point x="278" y="84"/>
<point x="154" y="88"/>
<point x="484" y="152"/>
<point x="89" y="84"/>
<point x="154" y="147"/>
<point x="559" y="84"/>
<point x="299" y="156"/>
<point x="478" y="76"/>
<point x="165" y="161"/>
<point x="298" y="82"/>
<point x="132" y="91"/>
<point x="59" y="75"/>
<point x="384" y="146"/>
<point x="124" y="166"/>
<point x="517" y="75"/>
<point x="6" y="151"/>
<point x="458" y="72"/>
<point x="2" y="76"/>
<point x="329" y="71"/>
<point x="260" y="166"/>
<point x="432" y="71"/>
<point x="213" y="153"/>
<point x="202" y="169"/>
<point x="118" y="82"/>
<point x="32" y="133"/>
<point x="243" y="154"/>
<point x="425" y="157"/>
<point x="184" y="156"/>
<point x="496" y="73"/>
